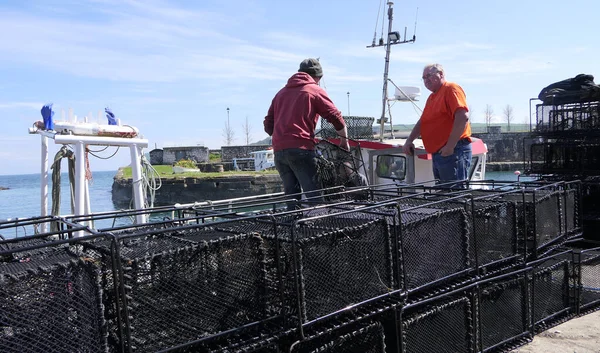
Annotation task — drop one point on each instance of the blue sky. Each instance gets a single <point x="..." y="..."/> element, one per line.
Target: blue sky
<point x="171" y="68"/>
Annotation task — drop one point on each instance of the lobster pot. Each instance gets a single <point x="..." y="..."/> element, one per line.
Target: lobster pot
<point x="503" y="311"/>
<point x="189" y="283"/>
<point x="567" y="156"/>
<point x="434" y="245"/>
<point x="51" y="301"/>
<point x="552" y="290"/>
<point x="591" y="208"/>
<point x="588" y="265"/>
<point x="359" y="128"/>
<point x="366" y="338"/>
<point x="496" y="234"/>
<point x="581" y="118"/>
<point x="541" y="217"/>
<point x="441" y="324"/>
<point x="325" y="270"/>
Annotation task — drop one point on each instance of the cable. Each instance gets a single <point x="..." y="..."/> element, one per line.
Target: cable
<point x="109" y="157"/>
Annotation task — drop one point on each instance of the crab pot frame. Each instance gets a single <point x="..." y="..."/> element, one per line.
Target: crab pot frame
<point x="587" y="265"/>
<point x="553" y="288"/>
<point x="443" y="323"/>
<point x="503" y="311"/>
<point x="51" y="295"/>
<point x="191" y="284"/>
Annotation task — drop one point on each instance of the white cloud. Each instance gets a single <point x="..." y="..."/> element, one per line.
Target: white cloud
<point x="11" y="105"/>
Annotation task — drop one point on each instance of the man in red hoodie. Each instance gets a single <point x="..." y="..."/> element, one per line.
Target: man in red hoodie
<point x="292" y="120"/>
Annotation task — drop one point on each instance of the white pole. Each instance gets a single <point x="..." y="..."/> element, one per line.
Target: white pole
<point x="79" y="178"/>
<point x="88" y="208"/>
<point x="44" y="182"/>
<point x="79" y="181"/>
<point x="136" y="175"/>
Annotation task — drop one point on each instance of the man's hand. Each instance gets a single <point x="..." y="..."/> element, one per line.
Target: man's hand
<point x="447" y="150"/>
<point x="344" y="144"/>
<point x="408" y="148"/>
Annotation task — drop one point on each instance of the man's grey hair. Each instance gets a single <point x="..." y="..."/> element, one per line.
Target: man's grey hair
<point x="437" y="67"/>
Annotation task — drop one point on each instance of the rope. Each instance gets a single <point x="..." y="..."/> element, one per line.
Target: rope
<point x="149" y="178"/>
<point x="64" y="152"/>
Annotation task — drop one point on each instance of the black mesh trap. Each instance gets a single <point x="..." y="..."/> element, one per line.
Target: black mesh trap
<point x="342" y="267"/>
<point x="503" y="306"/>
<point x="587" y="263"/>
<point x="338" y="167"/>
<point x="553" y="290"/>
<point x="434" y="243"/>
<point x="359" y="128"/>
<point x="442" y="324"/>
<point x="573" y="118"/>
<point x="50" y="301"/>
<point x="187" y="283"/>
<point x="579" y="157"/>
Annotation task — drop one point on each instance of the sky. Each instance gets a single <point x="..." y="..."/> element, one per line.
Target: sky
<point x="172" y="68"/>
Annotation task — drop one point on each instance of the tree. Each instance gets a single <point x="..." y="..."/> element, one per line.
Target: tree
<point x="247" y="131"/>
<point x="508" y="115"/>
<point x="488" y="114"/>
<point x="228" y="134"/>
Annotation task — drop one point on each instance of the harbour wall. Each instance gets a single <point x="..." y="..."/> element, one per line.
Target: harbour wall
<point x="189" y="190"/>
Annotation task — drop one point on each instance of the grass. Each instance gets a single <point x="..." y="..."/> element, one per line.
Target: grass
<point x="166" y="172"/>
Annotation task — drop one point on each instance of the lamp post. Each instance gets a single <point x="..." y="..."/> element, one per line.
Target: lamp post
<point x="348" y="93"/>
<point x="227" y="117"/>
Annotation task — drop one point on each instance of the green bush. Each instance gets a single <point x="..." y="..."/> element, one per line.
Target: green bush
<point x="186" y="163"/>
<point x="214" y="157"/>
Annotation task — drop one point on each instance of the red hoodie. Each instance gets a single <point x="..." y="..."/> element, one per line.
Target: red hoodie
<point x="295" y="110"/>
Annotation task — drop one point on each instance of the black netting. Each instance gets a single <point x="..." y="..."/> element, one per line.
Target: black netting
<point x="540" y="217"/>
<point x="343" y="267"/>
<point x="589" y="291"/>
<point x="50" y="301"/>
<point x="186" y="284"/>
<point x="570" y="206"/>
<point x="445" y="326"/>
<point x="570" y="157"/>
<point x="573" y="118"/>
<point x="359" y="128"/>
<point x="552" y="290"/>
<point x="337" y="167"/>
<point x="495" y="229"/>
<point x="503" y="313"/>
<point x="434" y="244"/>
<point x="548" y="225"/>
<point x="369" y="339"/>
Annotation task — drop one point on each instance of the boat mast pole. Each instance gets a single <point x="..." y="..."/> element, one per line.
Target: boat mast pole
<point x="392" y="38"/>
<point x="388" y="46"/>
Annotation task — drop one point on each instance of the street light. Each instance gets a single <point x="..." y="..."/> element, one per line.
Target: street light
<point x="228" y="117"/>
<point x="348" y="93"/>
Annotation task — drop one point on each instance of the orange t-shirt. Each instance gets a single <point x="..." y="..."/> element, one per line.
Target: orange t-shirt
<point x="438" y="116"/>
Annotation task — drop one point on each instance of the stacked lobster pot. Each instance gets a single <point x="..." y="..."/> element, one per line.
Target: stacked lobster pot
<point x="396" y="269"/>
<point x="51" y="297"/>
<point x="565" y="145"/>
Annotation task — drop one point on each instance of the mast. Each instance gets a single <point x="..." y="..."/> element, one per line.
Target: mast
<point x="392" y="38"/>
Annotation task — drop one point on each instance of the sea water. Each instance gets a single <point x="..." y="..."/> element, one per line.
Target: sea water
<point x="23" y="197"/>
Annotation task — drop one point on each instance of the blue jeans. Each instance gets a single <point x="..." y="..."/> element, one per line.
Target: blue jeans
<point x="298" y="170"/>
<point x="454" y="167"/>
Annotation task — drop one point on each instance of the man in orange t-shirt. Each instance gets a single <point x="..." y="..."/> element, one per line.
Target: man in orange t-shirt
<point x="444" y="127"/>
